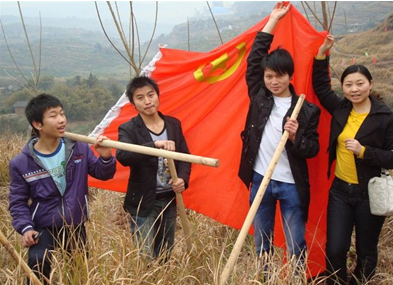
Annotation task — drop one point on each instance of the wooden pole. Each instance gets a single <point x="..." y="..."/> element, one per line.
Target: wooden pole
<point x="147" y="150"/>
<point x="180" y="206"/>
<point x="257" y="200"/>
<point x="30" y="274"/>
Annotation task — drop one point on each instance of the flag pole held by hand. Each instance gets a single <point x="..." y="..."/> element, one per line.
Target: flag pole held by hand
<point x="180" y="206"/>
<point x="257" y="200"/>
<point x="147" y="150"/>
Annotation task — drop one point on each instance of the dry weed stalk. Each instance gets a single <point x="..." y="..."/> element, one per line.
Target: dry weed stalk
<point x="114" y="259"/>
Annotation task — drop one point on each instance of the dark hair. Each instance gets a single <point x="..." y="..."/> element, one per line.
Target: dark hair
<point x="139" y="82"/>
<point x="37" y="106"/>
<point x="280" y="61"/>
<point x="357" y="68"/>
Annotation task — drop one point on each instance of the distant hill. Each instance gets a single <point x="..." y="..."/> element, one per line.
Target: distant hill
<point x="71" y="51"/>
<point x="372" y="48"/>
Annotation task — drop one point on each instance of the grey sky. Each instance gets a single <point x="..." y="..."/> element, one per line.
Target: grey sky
<point x="172" y="12"/>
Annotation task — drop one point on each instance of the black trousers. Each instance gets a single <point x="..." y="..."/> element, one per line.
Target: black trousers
<point x="349" y="208"/>
<point x="68" y="237"/>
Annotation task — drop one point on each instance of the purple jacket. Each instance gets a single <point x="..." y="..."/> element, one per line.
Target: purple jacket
<point x="31" y="181"/>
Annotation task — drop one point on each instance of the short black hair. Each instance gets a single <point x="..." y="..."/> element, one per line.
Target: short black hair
<point x="280" y="61"/>
<point x="37" y="106"/>
<point x="139" y="82"/>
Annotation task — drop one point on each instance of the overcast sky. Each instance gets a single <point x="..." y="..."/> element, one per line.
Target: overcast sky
<point x="173" y="12"/>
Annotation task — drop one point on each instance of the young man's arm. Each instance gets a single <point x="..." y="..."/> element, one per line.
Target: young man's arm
<point x="279" y="11"/>
<point x="19" y="196"/>
<point x="103" y="167"/>
<point x="261" y="47"/>
<point x="127" y="158"/>
<point x="306" y="143"/>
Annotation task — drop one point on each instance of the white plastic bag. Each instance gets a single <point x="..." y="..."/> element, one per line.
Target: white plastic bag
<point x="380" y="192"/>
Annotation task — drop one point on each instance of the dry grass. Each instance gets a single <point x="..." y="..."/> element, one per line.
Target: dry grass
<point x="11" y="145"/>
<point x="114" y="259"/>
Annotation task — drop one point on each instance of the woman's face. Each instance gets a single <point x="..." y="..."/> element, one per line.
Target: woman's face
<point x="356" y="87"/>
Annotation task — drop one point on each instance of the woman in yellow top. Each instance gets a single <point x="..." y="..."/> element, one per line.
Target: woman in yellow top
<point x="361" y="140"/>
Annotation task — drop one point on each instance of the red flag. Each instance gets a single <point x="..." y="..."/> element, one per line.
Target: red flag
<point x="208" y="93"/>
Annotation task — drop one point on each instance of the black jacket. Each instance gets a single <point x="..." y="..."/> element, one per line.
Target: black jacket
<point x="261" y="103"/>
<point x="142" y="183"/>
<point x="375" y="134"/>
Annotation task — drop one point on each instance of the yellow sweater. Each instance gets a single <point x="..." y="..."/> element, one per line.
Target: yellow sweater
<point x="345" y="164"/>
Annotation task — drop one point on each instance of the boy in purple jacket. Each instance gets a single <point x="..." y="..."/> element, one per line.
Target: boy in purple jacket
<point x="48" y="189"/>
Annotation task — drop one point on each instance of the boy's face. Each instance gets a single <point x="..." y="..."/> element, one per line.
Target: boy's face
<point x="146" y="100"/>
<point x="276" y="83"/>
<point x="53" y="123"/>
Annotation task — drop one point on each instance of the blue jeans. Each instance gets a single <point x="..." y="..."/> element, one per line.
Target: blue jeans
<point x="349" y="207"/>
<point x="291" y="213"/>
<point x="155" y="234"/>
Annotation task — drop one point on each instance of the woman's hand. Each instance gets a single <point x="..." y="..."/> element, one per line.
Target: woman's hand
<point x="354" y="146"/>
<point x="326" y="46"/>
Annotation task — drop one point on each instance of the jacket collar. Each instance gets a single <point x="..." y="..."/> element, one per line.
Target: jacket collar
<point x="144" y="131"/>
<point x="341" y="114"/>
<point x="372" y="123"/>
<point x="29" y="148"/>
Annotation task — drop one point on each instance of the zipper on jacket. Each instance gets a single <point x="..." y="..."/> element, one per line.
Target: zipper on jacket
<point x="62" y="196"/>
<point x="62" y="209"/>
<point x="72" y="167"/>
<point x="35" y="211"/>
<point x="87" y="208"/>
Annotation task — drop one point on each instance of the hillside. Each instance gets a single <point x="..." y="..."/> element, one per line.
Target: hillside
<point x="68" y="52"/>
<point x="65" y="52"/>
<point x="372" y="48"/>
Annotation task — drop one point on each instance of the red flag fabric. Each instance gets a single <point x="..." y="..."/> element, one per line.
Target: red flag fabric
<point x="207" y="92"/>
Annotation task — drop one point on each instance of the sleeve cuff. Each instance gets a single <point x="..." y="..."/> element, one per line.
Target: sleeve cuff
<point x="361" y="154"/>
<point x="106" y="160"/>
<point x="25" y="229"/>
<point x="320" y="57"/>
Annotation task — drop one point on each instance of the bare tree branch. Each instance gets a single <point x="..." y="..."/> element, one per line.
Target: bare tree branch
<point x="20" y="82"/>
<point x="324" y="15"/>
<point x="40" y="52"/>
<point x="122" y="37"/>
<point x="107" y="37"/>
<point x="188" y="34"/>
<point x="36" y="72"/>
<point x="332" y="16"/>
<point x="214" y="20"/>
<point x="11" y="55"/>
<point x="132" y="29"/>
<point x="118" y="16"/>
<point x="314" y="14"/>
<point x="152" y="35"/>
<point x="305" y="11"/>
